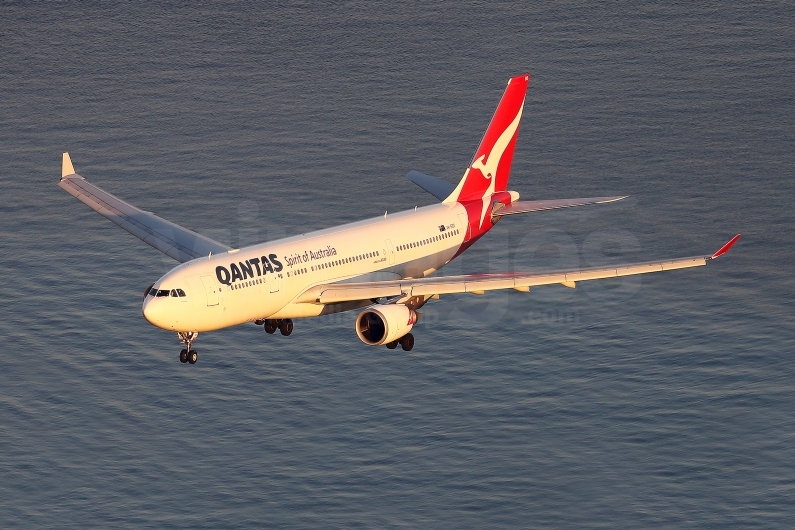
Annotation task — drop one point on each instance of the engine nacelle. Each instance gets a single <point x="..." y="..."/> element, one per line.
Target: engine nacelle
<point x="384" y="323"/>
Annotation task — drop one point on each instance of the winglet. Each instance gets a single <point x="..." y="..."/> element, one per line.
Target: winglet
<point x="66" y="166"/>
<point x="725" y="248"/>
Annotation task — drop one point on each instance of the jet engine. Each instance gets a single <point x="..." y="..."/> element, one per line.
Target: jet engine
<point x="384" y="323"/>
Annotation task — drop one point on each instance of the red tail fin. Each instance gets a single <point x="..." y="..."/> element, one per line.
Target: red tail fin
<point x="491" y="165"/>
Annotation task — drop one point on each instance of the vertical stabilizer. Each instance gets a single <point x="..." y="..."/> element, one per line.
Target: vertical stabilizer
<point x="491" y="165"/>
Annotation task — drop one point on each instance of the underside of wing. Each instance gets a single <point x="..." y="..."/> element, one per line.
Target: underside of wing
<point x="169" y="238"/>
<point x="479" y="283"/>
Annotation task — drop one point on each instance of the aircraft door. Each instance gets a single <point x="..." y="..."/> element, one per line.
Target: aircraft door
<point x="210" y="289"/>
<point x="275" y="282"/>
<point x="390" y="251"/>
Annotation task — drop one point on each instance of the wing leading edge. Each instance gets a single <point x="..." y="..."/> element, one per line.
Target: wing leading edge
<point x="479" y="283"/>
<point x="169" y="238"/>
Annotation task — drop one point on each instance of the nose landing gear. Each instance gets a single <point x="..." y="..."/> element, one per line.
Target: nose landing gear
<point x="188" y="355"/>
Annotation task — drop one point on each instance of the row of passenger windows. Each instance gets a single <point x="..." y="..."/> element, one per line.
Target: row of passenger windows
<point x="343" y="261"/>
<point x="159" y="293"/>
<point x="328" y="265"/>
<point x="165" y="292"/>
<point x="249" y="283"/>
<point x="433" y="239"/>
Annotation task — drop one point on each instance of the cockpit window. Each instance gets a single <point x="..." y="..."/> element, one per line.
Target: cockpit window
<point x="165" y="292"/>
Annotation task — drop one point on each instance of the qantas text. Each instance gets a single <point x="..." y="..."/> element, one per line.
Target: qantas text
<point x="243" y="270"/>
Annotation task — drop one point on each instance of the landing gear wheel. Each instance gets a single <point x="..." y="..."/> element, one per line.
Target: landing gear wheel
<point x="407" y="342"/>
<point x="392" y="345"/>
<point x="286" y="327"/>
<point x="188" y="354"/>
<point x="270" y="326"/>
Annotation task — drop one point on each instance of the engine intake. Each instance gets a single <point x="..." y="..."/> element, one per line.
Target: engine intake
<point x="384" y="323"/>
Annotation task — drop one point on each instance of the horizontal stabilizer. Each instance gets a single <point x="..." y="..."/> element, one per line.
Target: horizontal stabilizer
<point x="167" y="237"/>
<point x="437" y="187"/>
<point x="537" y="206"/>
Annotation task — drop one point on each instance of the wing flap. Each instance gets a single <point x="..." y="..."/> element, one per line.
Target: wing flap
<point x="169" y="238"/>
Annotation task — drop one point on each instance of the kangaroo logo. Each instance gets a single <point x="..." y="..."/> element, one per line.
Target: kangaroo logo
<point x="487" y="163"/>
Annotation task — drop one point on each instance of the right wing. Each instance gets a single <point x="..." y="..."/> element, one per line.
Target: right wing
<point x="169" y="238"/>
<point x="480" y="283"/>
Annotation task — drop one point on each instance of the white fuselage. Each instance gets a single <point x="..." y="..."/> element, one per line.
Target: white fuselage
<point x="237" y="286"/>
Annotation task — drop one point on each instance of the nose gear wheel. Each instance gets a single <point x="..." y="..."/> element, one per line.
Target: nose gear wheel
<point x="188" y="355"/>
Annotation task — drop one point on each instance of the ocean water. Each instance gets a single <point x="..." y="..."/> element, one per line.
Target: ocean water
<point x="656" y="402"/>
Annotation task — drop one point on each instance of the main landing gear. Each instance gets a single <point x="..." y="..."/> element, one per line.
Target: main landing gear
<point x="188" y="355"/>
<point x="284" y="325"/>
<point x="406" y="342"/>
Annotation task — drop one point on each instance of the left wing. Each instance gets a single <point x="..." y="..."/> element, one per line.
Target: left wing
<point x="480" y="283"/>
<point x="439" y="188"/>
<point x="167" y="237"/>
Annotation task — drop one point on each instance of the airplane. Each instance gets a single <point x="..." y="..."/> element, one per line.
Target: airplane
<point x="382" y="266"/>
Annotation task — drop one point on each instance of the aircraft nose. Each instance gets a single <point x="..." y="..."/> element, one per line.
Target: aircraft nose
<point x="154" y="312"/>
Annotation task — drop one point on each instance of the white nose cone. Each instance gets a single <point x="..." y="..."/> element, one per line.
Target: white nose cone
<point x="156" y="312"/>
